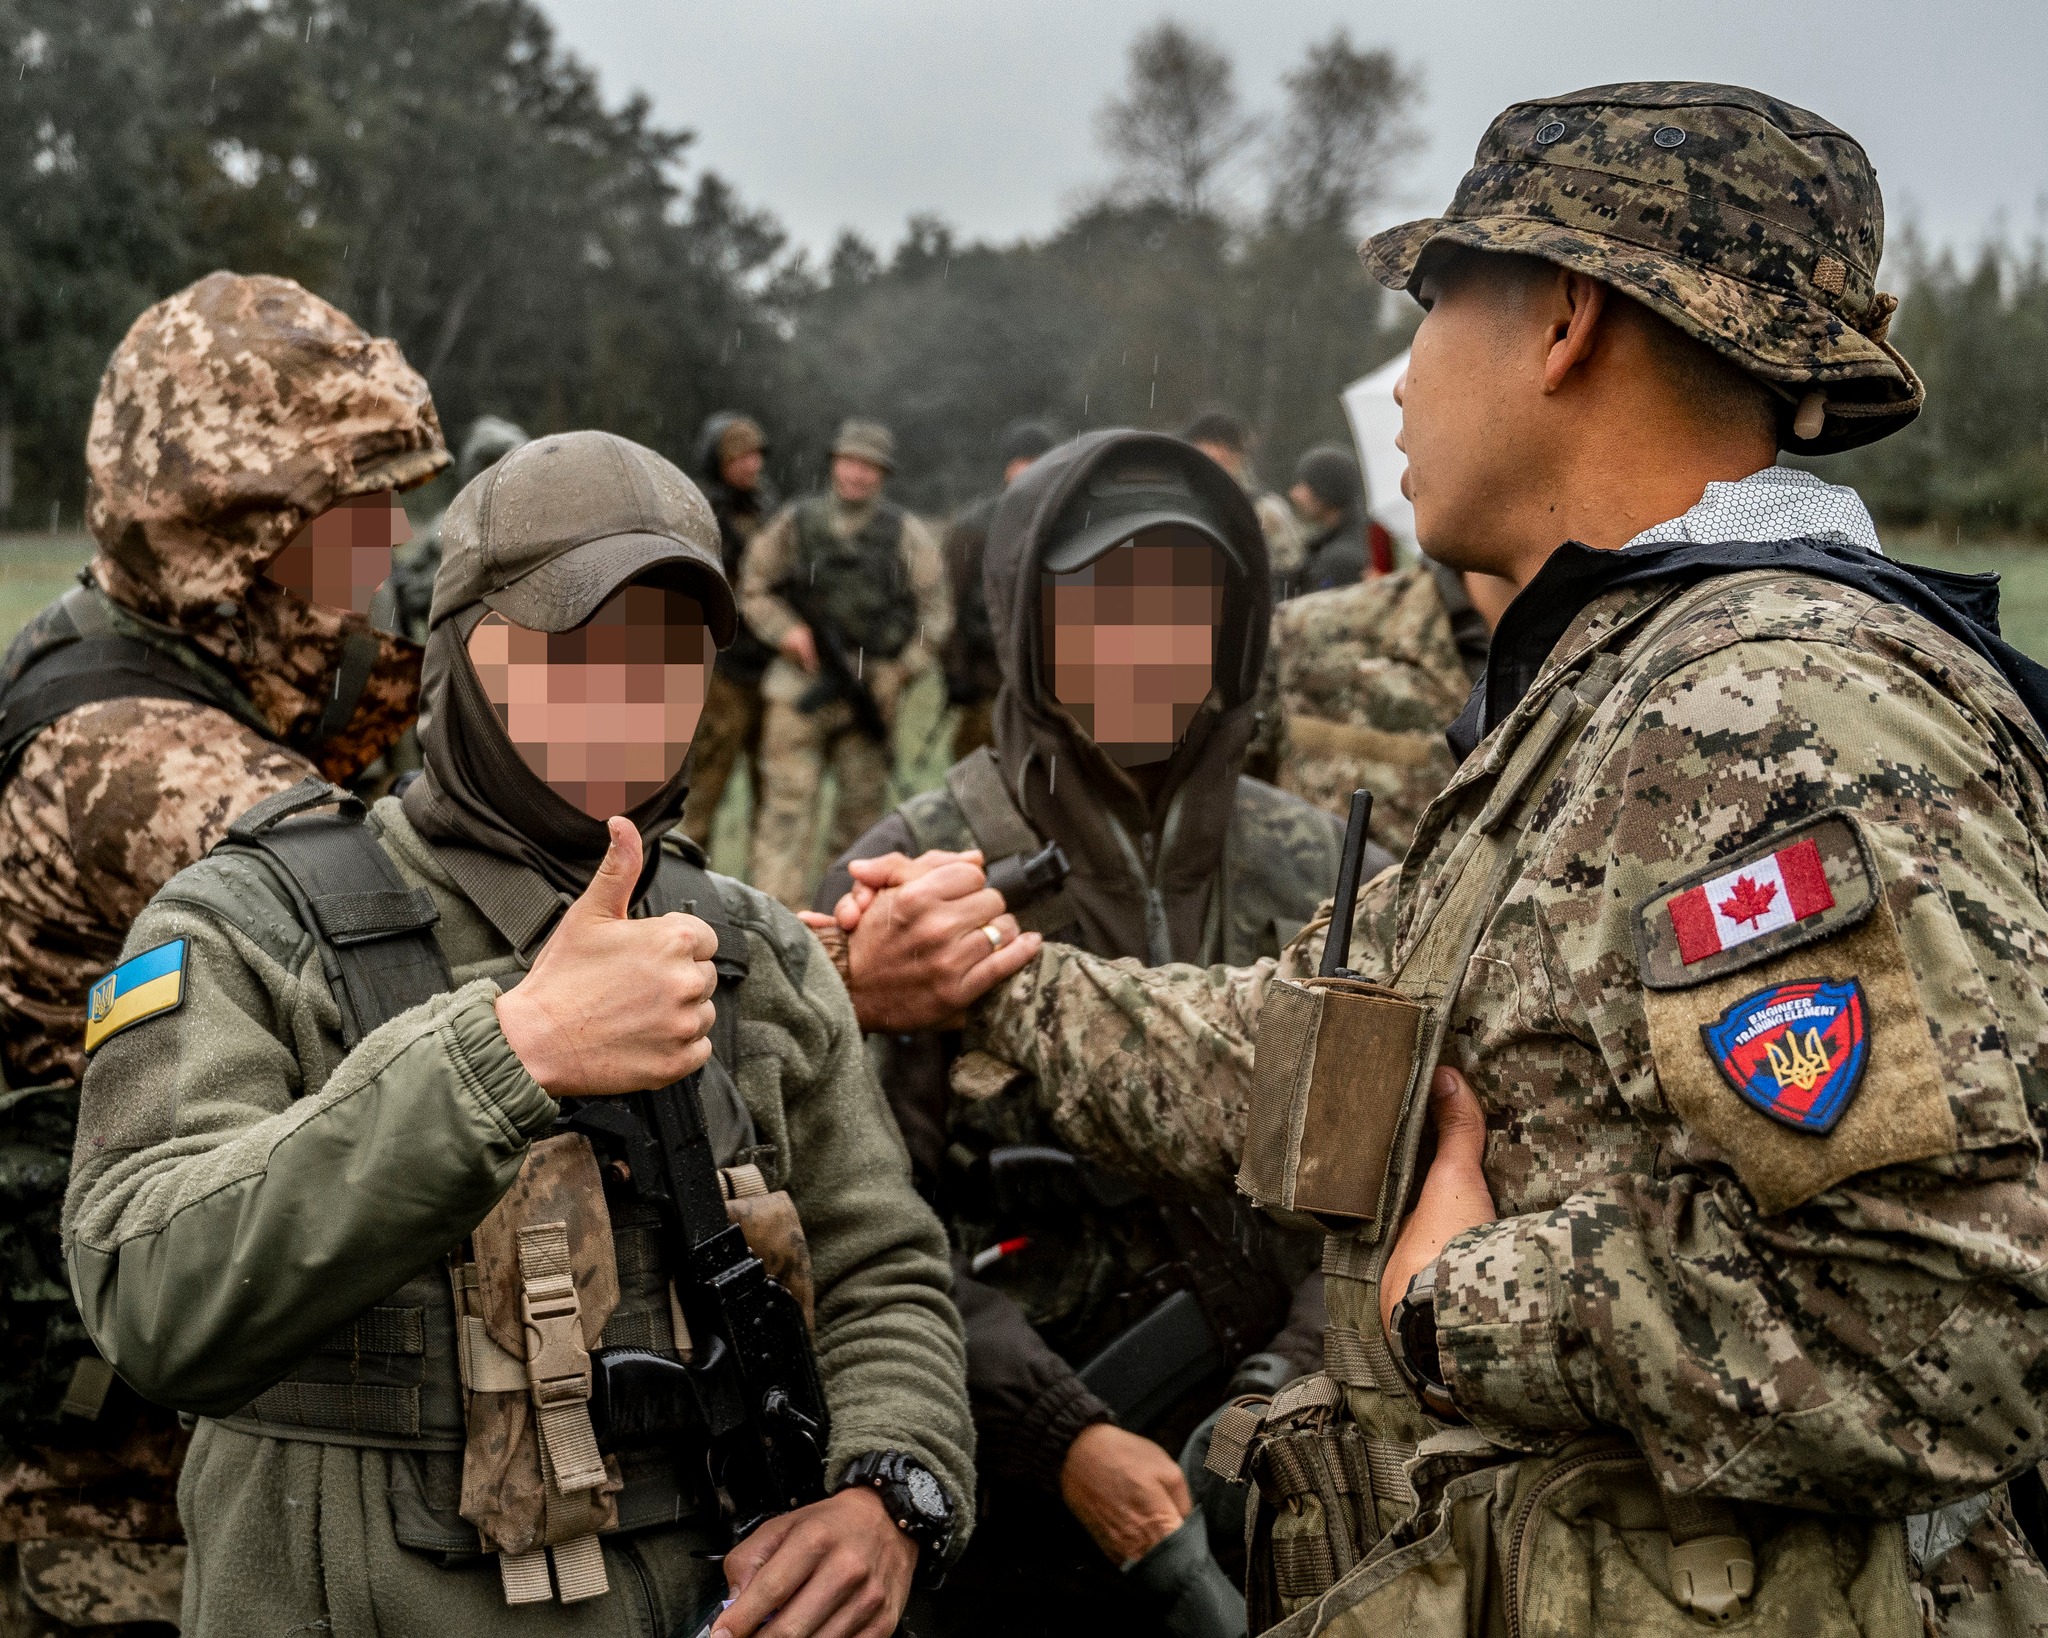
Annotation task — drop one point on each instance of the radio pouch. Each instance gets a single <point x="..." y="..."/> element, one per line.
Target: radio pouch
<point x="529" y="1308"/>
<point x="1335" y="1062"/>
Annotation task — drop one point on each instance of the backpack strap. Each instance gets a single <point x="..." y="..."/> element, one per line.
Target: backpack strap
<point x="1000" y="829"/>
<point x="375" y="934"/>
<point x="681" y="883"/>
<point x="84" y="661"/>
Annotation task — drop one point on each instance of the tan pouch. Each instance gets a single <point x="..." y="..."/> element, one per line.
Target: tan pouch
<point x="1579" y="1545"/>
<point x="528" y="1311"/>
<point x="1336" y="1064"/>
<point x="773" y="1232"/>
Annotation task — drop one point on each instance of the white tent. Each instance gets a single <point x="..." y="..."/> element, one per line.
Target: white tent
<point x="1375" y="418"/>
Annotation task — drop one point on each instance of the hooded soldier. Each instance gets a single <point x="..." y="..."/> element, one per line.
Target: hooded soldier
<point x="1126" y="582"/>
<point x="244" y="456"/>
<point x="375" y="1181"/>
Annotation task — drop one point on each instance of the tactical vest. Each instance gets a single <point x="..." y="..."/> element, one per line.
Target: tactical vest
<point x="394" y="1378"/>
<point x="85" y="648"/>
<point x="1202" y="1285"/>
<point x="1254" y="910"/>
<point x="1367" y="1516"/>
<point x="859" y="583"/>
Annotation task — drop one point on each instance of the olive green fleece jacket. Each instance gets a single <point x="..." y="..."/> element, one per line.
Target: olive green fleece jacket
<point x="242" y="1187"/>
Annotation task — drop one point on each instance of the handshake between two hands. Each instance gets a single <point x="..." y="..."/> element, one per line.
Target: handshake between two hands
<point x="925" y="939"/>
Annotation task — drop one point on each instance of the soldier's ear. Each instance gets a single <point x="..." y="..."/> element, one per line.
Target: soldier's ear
<point x="1572" y="315"/>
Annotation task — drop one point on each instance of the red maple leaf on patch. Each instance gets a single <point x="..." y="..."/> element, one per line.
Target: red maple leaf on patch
<point x="1749" y="900"/>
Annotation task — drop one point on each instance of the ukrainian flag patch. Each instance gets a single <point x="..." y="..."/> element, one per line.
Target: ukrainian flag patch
<point x="141" y="987"/>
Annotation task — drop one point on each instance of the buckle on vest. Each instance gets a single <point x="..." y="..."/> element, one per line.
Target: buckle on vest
<point x="557" y="1362"/>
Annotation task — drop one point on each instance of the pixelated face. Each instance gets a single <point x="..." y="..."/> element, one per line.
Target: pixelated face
<point x="1130" y="641"/>
<point x="339" y="559"/>
<point x="604" y="713"/>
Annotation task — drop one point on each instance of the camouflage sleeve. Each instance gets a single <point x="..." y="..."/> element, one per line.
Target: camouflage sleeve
<point x="1262" y="756"/>
<point x="1148" y="1070"/>
<point x="925" y="560"/>
<point x="765" y="564"/>
<point x="1876" y="1339"/>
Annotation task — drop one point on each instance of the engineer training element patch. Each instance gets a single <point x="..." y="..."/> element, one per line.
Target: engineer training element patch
<point x="1796" y="1051"/>
<point x="141" y="987"/>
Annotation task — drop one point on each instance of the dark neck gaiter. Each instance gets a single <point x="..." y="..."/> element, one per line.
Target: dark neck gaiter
<point x="476" y="790"/>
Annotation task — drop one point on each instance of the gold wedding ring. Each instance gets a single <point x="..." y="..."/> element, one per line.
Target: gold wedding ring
<point x="995" y="937"/>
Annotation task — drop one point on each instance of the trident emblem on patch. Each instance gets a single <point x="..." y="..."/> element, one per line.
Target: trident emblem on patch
<point x="1798" y="1063"/>
<point x="101" y="1002"/>
<point x="1794" y="1051"/>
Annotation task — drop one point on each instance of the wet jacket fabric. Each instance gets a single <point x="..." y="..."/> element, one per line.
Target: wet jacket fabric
<point x="244" y="1187"/>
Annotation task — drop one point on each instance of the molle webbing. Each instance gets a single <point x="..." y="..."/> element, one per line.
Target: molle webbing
<point x="375" y="934"/>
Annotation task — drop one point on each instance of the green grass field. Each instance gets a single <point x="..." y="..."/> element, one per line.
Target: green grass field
<point x="36" y="568"/>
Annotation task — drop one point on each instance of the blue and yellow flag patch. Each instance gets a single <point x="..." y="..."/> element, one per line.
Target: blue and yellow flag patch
<point x="141" y="987"/>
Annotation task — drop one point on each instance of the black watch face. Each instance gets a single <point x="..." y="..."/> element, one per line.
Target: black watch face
<point x="925" y="1493"/>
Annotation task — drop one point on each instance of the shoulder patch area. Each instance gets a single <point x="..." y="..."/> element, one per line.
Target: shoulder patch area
<point x="1793" y="887"/>
<point x="241" y="891"/>
<point x="144" y="986"/>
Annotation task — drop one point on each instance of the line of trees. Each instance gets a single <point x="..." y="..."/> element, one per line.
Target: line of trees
<point x="446" y="173"/>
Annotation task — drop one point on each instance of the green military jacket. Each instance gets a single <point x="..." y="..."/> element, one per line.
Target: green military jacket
<point x="242" y="1188"/>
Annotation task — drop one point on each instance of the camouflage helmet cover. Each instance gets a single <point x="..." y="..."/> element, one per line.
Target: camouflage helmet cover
<point x="230" y="414"/>
<point x="1751" y="224"/>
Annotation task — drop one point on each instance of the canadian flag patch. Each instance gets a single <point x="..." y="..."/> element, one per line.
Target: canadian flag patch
<point x="1756" y="898"/>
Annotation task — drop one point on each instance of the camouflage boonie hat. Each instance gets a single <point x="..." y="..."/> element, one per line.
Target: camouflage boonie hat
<point x="1748" y="223"/>
<point x="229" y="414"/>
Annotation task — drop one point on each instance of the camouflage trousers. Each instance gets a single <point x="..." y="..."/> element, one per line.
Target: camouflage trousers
<point x="731" y="724"/>
<point x="796" y="747"/>
<point x="116" y="1589"/>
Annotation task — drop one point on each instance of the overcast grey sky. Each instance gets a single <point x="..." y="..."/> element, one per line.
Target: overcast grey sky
<point x="855" y="113"/>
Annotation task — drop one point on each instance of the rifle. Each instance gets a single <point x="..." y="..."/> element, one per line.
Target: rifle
<point x="750" y="1388"/>
<point x="838" y="678"/>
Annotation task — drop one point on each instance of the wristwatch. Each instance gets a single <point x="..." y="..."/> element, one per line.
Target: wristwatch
<point x="1411" y="1339"/>
<point x="915" y="1500"/>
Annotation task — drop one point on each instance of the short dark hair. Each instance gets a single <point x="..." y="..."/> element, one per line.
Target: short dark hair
<point x="1219" y="426"/>
<point x="1715" y="389"/>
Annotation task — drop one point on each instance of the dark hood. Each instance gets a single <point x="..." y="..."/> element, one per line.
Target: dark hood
<point x="1142" y="868"/>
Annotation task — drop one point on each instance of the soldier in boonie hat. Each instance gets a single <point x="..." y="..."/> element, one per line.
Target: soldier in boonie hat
<point x="1750" y="224"/>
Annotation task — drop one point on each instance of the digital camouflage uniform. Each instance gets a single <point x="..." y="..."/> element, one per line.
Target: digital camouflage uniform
<point x="230" y="414"/>
<point x="1360" y="683"/>
<point x="797" y="745"/>
<point x="1843" y="1325"/>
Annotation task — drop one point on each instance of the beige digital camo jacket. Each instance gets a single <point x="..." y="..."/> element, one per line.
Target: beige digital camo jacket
<point x="1856" y="1321"/>
<point x="1361" y="681"/>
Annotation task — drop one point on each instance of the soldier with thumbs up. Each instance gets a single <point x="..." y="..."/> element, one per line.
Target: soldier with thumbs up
<point x="346" y="1188"/>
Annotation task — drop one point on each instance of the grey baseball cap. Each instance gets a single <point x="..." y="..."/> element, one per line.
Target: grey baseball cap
<point x="555" y="527"/>
<point x="1133" y="490"/>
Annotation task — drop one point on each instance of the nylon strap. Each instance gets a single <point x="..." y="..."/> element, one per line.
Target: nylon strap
<point x="374" y="932"/>
<point x="1000" y="829"/>
<point x="525" y="1577"/>
<point x="557" y="1362"/>
<point x="579" y="1569"/>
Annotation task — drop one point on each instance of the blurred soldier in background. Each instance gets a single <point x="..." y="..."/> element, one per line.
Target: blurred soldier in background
<point x="1329" y="496"/>
<point x="245" y="454"/>
<point x="849" y="590"/>
<point x="1361" y="682"/>
<point x="1226" y="440"/>
<point x="731" y="454"/>
<point x="415" y="563"/>
<point x="972" y="672"/>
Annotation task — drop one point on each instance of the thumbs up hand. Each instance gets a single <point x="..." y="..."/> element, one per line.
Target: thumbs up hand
<point x="611" y="1004"/>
